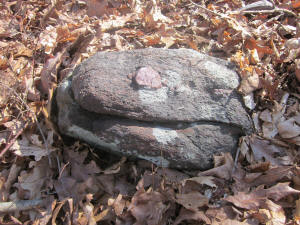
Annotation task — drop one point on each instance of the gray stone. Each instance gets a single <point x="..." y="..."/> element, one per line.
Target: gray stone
<point x="175" y="108"/>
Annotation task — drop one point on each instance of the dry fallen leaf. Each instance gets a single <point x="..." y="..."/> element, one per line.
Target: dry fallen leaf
<point x="192" y="201"/>
<point x="264" y="44"/>
<point x="118" y="204"/>
<point x="187" y="215"/>
<point x="271" y="176"/>
<point x="257" y="198"/>
<point x="96" y="7"/>
<point x="265" y="151"/>
<point x="223" y="171"/>
<point x="207" y="180"/>
<point x="249" y="84"/>
<point x="270" y="213"/>
<point x="297" y="211"/>
<point x="48" y="74"/>
<point x="289" y="128"/>
<point x="32" y="181"/>
<point x="23" y="147"/>
<point x="278" y="191"/>
<point x="249" y="201"/>
<point x="147" y="207"/>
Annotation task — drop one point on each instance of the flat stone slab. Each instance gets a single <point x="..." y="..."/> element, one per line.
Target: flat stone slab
<point x="174" y="107"/>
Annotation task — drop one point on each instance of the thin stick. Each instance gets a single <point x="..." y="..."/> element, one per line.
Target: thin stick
<point x="13" y="140"/>
<point x="208" y="10"/>
<point x="246" y="11"/>
<point x="6" y="207"/>
<point x="267" y="11"/>
<point x="236" y="160"/>
<point x="223" y="16"/>
<point x="34" y="117"/>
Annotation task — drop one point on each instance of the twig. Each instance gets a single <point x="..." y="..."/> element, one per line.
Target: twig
<point x="208" y="10"/>
<point x="6" y="207"/>
<point x="13" y="140"/>
<point x="266" y="11"/>
<point x="34" y="117"/>
<point x="236" y="160"/>
<point x="224" y="16"/>
<point x="246" y="11"/>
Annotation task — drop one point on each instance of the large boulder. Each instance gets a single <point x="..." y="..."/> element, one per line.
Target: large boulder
<point x="176" y="108"/>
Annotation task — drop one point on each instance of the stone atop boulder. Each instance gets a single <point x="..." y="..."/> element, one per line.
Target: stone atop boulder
<point x="175" y="108"/>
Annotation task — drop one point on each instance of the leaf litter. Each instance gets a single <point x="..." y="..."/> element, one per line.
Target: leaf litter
<point x="42" y="41"/>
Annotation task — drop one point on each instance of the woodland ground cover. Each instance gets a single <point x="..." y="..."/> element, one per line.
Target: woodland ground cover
<point x="47" y="180"/>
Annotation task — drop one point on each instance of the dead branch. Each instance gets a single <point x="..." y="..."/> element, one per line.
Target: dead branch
<point x="224" y="16"/>
<point x="13" y="140"/>
<point x="276" y="10"/>
<point x="21" y="205"/>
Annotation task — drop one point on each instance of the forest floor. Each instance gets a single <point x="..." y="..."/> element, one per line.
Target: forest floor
<point x="47" y="180"/>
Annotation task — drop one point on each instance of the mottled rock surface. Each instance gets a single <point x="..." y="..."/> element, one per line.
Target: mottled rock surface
<point x="175" y="108"/>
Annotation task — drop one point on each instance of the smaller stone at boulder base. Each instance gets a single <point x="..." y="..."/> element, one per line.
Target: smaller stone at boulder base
<point x="173" y="107"/>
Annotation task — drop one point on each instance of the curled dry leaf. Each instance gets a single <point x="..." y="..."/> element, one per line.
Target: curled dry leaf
<point x="224" y="171"/>
<point x="270" y="213"/>
<point x="192" y="201"/>
<point x="148" y="208"/>
<point x="48" y="74"/>
<point x="207" y="180"/>
<point x="249" y="83"/>
<point x="271" y="119"/>
<point x="115" y="168"/>
<point x="289" y="128"/>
